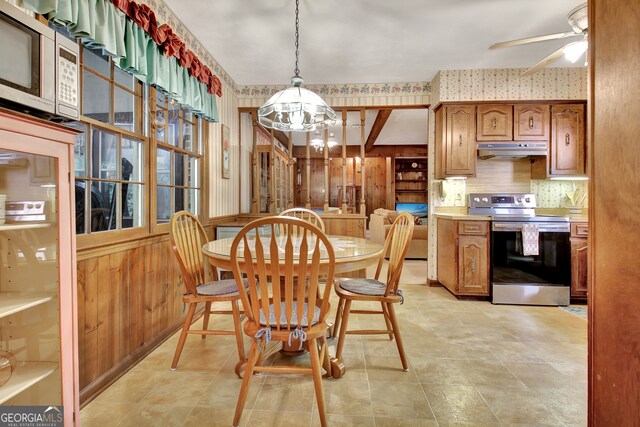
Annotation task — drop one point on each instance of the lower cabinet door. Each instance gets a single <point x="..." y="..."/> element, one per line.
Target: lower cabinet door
<point x="579" y="277"/>
<point x="473" y="265"/>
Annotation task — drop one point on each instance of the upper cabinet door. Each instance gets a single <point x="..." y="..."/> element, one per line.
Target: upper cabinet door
<point x="567" y="140"/>
<point x="495" y="123"/>
<point x="460" y="155"/>
<point x="531" y="122"/>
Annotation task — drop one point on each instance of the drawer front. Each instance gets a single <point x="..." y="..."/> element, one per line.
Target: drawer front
<point x="580" y="229"/>
<point x="473" y="227"/>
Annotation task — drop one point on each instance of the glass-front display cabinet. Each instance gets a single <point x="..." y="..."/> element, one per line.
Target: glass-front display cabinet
<point x="38" y="313"/>
<point x="271" y="186"/>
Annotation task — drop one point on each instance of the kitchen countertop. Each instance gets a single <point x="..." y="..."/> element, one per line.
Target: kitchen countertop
<point x="462" y="216"/>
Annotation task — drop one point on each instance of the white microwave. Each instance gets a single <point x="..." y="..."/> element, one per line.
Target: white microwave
<point x="39" y="68"/>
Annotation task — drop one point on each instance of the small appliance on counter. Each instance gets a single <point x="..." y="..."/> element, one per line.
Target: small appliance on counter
<point x="531" y="267"/>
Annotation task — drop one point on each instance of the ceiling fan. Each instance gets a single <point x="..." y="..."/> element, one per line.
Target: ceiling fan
<point x="572" y="51"/>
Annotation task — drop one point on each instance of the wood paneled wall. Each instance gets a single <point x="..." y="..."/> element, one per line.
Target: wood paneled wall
<point x="129" y="300"/>
<point x="376" y="185"/>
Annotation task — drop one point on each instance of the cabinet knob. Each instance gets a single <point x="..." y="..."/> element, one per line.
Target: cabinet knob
<point x="460" y="140"/>
<point x="567" y="139"/>
<point x="473" y="265"/>
<point x="530" y="122"/>
<point x="494" y="123"/>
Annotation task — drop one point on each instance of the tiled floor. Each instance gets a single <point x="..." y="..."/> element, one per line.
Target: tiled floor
<point x="472" y="363"/>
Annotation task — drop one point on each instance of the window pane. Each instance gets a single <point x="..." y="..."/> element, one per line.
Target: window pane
<point x="161" y="100"/>
<point x="103" y="206"/>
<point x="125" y="112"/>
<point x="80" y="206"/>
<point x="173" y="130"/>
<point x="163" y="166"/>
<point x="96" y="98"/>
<point x="103" y="162"/>
<point x="160" y="123"/>
<point x="124" y="78"/>
<point x="179" y="170"/>
<point x="179" y="199"/>
<point x="80" y="149"/>
<point x="187" y="131"/>
<point x="193" y="201"/>
<point x="193" y="173"/>
<point x="132" y="161"/>
<point x="94" y="60"/>
<point x="163" y="204"/>
<point x="132" y="207"/>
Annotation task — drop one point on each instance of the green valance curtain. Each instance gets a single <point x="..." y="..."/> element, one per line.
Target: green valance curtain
<point x="99" y="24"/>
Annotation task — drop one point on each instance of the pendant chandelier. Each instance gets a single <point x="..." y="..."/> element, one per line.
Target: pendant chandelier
<point x="318" y="143"/>
<point x="295" y="108"/>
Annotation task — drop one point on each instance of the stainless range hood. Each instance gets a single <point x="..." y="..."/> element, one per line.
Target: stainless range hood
<point x="511" y="151"/>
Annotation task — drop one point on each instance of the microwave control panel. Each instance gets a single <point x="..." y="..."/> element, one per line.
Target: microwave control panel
<point x="68" y="87"/>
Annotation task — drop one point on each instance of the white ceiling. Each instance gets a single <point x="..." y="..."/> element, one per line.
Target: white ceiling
<point x="371" y="41"/>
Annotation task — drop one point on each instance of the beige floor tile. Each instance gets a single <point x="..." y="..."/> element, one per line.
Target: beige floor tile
<point x="540" y="375"/>
<point x="179" y="388"/>
<point x="399" y="400"/>
<point x="224" y="392"/>
<point x="441" y="371"/>
<point x="457" y="403"/>
<point x="518" y="406"/>
<point x="259" y="418"/>
<point x="215" y="417"/>
<point x="104" y="414"/>
<point x="346" y="397"/>
<point x="469" y="424"/>
<point x="388" y="368"/>
<point x="146" y="414"/>
<point x="512" y="351"/>
<point x="570" y="408"/>
<point x="280" y="393"/>
<point x="405" y="422"/>
<point x="131" y="388"/>
<point x="339" y="420"/>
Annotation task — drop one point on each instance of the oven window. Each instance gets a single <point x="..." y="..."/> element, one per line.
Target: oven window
<point x="20" y="53"/>
<point x="551" y="266"/>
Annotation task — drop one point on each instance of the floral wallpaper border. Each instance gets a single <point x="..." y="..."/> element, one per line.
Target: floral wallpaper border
<point x="355" y="89"/>
<point x="166" y="15"/>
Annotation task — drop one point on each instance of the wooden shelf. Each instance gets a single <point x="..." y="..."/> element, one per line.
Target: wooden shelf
<point x="25" y="375"/>
<point x="411" y="191"/>
<point x="23" y="226"/>
<point x="398" y="181"/>
<point x="14" y="302"/>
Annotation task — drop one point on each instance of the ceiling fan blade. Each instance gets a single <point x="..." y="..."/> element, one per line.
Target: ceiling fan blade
<point x="535" y="39"/>
<point x="544" y="62"/>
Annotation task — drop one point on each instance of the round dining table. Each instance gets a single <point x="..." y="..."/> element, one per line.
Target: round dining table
<point x="351" y="254"/>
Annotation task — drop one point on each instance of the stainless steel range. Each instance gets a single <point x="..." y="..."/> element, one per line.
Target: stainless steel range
<point x="526" y="268"/>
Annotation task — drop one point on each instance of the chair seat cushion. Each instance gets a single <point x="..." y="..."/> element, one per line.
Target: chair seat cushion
<point x="220" y="287"/>
<point x="294" y="316"/>
<point x="363" y="286"/>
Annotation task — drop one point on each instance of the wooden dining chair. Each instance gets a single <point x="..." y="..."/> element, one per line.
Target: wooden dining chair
<point x="187" y="238"/>
<point x="278" y="310"/>
<point x="305" y="215"/>
<point x="388" y="294"/>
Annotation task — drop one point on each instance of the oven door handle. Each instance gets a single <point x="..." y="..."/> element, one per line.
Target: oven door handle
<point x="543" y="228"/>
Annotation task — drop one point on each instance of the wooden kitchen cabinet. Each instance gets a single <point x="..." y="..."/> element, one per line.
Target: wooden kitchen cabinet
<point x="495" y="122"/>
<point x="579" y="250"/>
<point x="567" y="149"/>
<point x="531" y="122"/>
<point x="38" y="291"/>
<point x="463" y="256"/>
<point x="455" y="141"/>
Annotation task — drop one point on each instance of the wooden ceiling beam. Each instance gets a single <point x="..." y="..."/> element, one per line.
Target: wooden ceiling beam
<point x="282" y="137"/>
<point x="378" y="124"/>
<point x="299" y="151"/>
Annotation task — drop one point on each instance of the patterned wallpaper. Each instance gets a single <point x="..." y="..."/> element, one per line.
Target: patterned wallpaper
<point x="552" y="194"/>
<point x="507" y="84"/>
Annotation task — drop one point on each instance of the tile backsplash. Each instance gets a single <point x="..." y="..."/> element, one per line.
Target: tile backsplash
<point x="552" y="194"/>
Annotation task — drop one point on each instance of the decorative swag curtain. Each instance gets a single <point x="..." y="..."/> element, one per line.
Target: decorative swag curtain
<point x="99" y="24"/>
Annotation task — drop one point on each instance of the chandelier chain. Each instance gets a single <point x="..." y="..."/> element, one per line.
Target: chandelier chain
<point x="296" y="72"/>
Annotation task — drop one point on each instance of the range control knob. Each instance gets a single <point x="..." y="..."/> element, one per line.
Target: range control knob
<point x="486" y="200"/>
<point x="476" y="199"/>
<point x="527" y="199"/>
<point x="519" y="200"/>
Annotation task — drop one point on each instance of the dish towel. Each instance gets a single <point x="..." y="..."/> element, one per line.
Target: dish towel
<point x="530" y="244"/>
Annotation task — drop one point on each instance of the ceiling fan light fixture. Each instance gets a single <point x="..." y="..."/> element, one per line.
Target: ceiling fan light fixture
<point x="296" y="109"/>
<point x="573" y="51"/>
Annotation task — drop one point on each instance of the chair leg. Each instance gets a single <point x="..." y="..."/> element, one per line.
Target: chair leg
<point x="385" y="313"/>
<point x="336" y="324"/>
<point x="396" y="333"/>
<point x="183" y="335"/>
<point x="205" y="320"/>
<point x="238" y="327"/>
<point x="343" y="328"/>
<point x="317" y="381"/>
<point x="246" y="381"/>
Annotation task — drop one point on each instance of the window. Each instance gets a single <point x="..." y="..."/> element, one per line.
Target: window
<point x="178" y="159"/>
<point x="110" y="151"/>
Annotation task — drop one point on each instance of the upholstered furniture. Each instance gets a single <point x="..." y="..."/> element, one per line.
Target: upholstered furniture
<point x="187" y="238"/>
<point x="374" y="290"/>
<point x="380" y="223"/>
<point x="284" y="302"/>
